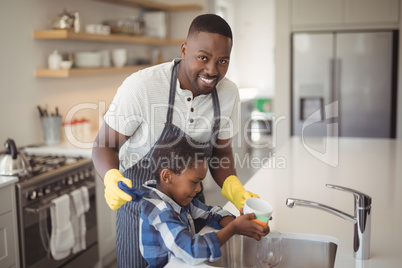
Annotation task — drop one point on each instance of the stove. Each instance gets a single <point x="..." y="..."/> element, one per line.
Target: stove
<point x="50" y="177"/>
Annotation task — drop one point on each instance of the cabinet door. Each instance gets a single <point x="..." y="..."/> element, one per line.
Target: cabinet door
<point x="312" y="83"/>
<point x="106" y="224"/>
<point x="371" y="11"/>
<point x="364" y="76"/>
<point x="316" y="12"/>
<point x="7" y="243"/>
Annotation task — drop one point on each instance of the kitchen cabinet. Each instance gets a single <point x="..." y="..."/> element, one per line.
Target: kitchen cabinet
<point x="327" y="14"/>
<point x="112" y="38"/>
<point x="8" y="232"/>
<point x="106" y="226"/>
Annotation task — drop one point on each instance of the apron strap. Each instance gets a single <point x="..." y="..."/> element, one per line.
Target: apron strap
<point x="217" y="115"/>
<point x="172" y="92"/>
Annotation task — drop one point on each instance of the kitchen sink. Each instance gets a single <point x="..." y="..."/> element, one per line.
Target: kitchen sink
<point x="299" y="250"/>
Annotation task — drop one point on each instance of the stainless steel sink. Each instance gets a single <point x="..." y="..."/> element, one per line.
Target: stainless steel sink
<point x="299" y="250"/>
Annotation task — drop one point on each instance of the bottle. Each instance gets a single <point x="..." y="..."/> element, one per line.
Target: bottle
<point x="77" y="23"/>
<point x="54" y="60"/>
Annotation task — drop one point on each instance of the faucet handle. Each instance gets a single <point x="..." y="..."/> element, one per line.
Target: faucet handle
<point x="362" y="200"/>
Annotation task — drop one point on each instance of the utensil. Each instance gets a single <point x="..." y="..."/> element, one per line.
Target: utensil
<point x="269" y="249"/>
<point x="88" y="59"/>
<point x="261" y="208"/>
<point x="65" y="20"/>
<point x="119" y="57"/>
<point x="66" y="64"/>
<point x="13" y="163"/>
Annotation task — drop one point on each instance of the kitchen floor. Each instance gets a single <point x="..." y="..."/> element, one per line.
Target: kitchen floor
<point x="213" y="195"/>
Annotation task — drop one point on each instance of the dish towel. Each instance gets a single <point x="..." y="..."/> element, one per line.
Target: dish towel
<point x="62" y="236"/>
<point x="79" y="205"/>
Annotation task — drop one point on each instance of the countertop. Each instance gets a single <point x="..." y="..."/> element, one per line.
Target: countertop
<point x="7" y="180"/>
<point x="301" y="170"/>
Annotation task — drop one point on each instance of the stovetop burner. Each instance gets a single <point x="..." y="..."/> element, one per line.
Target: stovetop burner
<point x="41" y="164"/>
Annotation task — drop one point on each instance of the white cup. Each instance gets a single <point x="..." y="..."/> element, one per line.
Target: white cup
<point x="259" y="207"/>
<point x="105" y="58"/>
<point x="119" y="57"/>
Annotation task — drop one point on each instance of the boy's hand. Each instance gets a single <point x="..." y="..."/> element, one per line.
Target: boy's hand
<point x="243" y="225"/>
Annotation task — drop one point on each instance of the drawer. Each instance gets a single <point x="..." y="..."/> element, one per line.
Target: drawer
<point x="7" y="242"/>
<point x="6" y="198"/>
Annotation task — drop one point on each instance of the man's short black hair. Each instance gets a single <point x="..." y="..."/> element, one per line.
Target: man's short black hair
<point x="210" y="23"/>
<point x="176" y="153"/>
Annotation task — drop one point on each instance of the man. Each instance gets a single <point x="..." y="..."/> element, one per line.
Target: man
<point x="187" y="97"/>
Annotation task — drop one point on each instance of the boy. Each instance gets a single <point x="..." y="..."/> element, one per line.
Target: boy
<point x="168" y="209"/>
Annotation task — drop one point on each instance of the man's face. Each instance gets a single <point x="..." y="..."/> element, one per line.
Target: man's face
<point x="186" y="185"/>
<point x="205" y="61"/>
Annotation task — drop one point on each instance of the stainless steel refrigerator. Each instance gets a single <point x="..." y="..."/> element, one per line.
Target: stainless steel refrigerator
<point x="344" y="84"/>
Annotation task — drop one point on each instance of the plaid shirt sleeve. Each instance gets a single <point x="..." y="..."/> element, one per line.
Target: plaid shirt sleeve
<point x="210" y="214"/>
<point x="164" y="233"/>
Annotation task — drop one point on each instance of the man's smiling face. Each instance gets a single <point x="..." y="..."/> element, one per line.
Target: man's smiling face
<point x="205" y="61"/>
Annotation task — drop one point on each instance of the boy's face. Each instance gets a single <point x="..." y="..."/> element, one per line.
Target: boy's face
<point x="183" y="187"/>
<point x="205" y="61"/>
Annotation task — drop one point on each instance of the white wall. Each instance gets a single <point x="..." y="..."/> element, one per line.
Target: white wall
<point x="254" y="39"/>
<point x="282" y="109"/>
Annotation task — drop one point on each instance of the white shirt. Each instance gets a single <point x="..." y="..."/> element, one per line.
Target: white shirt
<point x="139" y="110"/>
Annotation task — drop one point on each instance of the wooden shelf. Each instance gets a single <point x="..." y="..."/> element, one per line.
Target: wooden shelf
<point x="151" y="5"/>
<point x="64" y="73"/>
<point x="116" y="38"/>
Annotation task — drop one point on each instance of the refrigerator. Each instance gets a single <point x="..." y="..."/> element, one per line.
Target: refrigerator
<point x="344" y="84"/>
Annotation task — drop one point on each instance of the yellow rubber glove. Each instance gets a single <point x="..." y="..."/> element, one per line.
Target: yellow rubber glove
<point x="114" y="196"/>
<point x="234" y="191"/>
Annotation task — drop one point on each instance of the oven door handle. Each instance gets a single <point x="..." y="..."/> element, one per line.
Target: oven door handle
<point x="47" y="203"/>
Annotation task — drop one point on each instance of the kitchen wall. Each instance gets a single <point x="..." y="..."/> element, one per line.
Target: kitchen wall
<point x="20" y="55"/>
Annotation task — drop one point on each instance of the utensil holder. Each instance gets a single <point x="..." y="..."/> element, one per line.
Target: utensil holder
<point x="51" y="129"/>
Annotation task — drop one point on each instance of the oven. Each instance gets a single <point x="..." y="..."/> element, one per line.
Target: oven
<point x="52" y="177"/>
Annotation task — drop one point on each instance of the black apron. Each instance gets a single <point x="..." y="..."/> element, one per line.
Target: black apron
<point x="128" y="216"/>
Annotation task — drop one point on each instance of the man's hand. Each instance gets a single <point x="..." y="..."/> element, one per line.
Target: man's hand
<point x="234" y="191"/>
<point x="114" y="196"/>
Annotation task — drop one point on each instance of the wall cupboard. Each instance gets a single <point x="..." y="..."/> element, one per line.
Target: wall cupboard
<point x="338" y="14"/>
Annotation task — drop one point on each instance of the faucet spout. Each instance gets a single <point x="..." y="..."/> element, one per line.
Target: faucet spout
<point x="292" y="202"/>
<point x="361" y="218"/>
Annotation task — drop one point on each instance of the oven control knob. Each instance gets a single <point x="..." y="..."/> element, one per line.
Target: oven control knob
<point x="82" y="175"/>
<point x="76" y="178"/>
<point x="70" y="180"/>
<point x="32" y="195"/>
<point x="47" y="190"/>
<point x="40" y="193"/>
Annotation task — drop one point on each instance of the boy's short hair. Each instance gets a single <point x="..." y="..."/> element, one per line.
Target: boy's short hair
<point x="176" y="153"/>
<point x="210" y="23"/>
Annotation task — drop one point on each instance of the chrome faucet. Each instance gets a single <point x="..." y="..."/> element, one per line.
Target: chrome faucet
<point x="361" y="218"/>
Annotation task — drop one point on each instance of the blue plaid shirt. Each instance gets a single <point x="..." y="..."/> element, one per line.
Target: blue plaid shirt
<point x="167" y="229"/>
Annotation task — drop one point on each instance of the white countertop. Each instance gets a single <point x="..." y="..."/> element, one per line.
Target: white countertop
<point x="371" y="166"/>
<point x="7" y="180"/>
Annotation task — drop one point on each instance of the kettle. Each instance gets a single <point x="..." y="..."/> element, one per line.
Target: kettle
<point x="65" y="20"/>
<point x="13" y="163"/>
